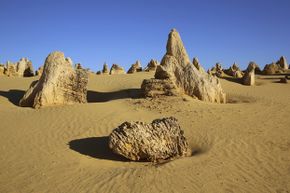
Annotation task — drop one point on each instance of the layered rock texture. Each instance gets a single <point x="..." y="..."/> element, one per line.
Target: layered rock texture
<point x="116" y="69"/>
<point x="39" y="71"/>
<point x="176" y="69"/>
<point x="59" y="84"/>
<point x="249" y="77"/>
<point x="151" y="66"/>
<point x="135" y="68"/>
<point x="162" y="139"/>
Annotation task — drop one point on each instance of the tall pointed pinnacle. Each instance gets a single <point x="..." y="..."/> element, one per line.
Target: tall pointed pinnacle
<point x="175" y="48"/>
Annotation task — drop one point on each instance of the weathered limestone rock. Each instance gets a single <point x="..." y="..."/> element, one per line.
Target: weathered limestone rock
<point x="272" y="68"/>
<point x="10" y="69"/>
<point x="177" y="67"/>
<point x="284" y="80"/>
<point x="162" y="139"/>
<point x="249" y="77"/>
<point x="152" y="65"/>
<point x="283" y="63"/>
<point x="105" y="69"/>
<point x="116" y="69"/>
<point x="135" y="68"/>
<point x="217" y="70"/>
<point x="157" y="87"/>
<point x="24" y="68"/>
<point x="234" y="71"/>
<point x="39" y="71"/>
<point x="59" y="84"/>
<point x="198" y="66"/>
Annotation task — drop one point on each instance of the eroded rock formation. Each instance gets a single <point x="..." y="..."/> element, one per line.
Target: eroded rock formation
<point x="135" y="68"/>
<point x="116" y="69"/>
<point x="234" y="71"/>
<point x="249" y="77"/>
<point x="282" y="62"/>
<point x="152" y="65"/>
<point x="272" y="68"/>
<point x="59" y="84"/>
<point x="105" y="69"/>
<point x="198" y="66"/>
<point x="160" y="140"/>
<point x="177" y="68"/>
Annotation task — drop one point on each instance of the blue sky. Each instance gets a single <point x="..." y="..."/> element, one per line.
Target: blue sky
<point x="94" y="32"/>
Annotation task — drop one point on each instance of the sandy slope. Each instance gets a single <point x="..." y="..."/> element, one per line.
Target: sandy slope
<point x="243" y="146"/>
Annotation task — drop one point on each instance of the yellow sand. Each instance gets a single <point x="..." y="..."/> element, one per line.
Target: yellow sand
<point x="243" y="146"/>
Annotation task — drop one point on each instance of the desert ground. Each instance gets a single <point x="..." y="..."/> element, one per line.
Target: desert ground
<point x="241" y="146"/>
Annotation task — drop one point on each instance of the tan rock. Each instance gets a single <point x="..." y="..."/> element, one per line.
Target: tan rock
<point x="116" y="69"/>
<point x="10" y="69"/>
<point x="39" y="71"/>
<point x="152" y="65"/>
<point x="135" y="68"/>
<point x="272" y="68"/>
<point x="177" y="67"/>
<point x="249" y="77"/>
<point x="162" y="139"/>
<point x="24" y="68"/>
<point x="78" y="66"/>
<point x="105" y="69"/>
<point x="99" y="72"/>
<point x="157" y="87"/>
<point x="282" y="62"/>
<point x="2" y="69"/>
<point x="198" y="66"/>
<point x="217" y="70"/>
<point x="234" y="71"/>
<point x="59" y="84"/>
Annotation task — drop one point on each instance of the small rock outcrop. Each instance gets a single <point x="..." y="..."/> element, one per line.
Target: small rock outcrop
<point x="282" y="62"/>
<point x="217" y="70"/>
<point x="78" y="66"/>
<point x="158" y="87"/>
<point x="162" y="139"/>
<point x="2" y="69"/>
<point x="272" y="68"/>
<point x="151" y="66"/>
<point x="234" y="71"/>
<point x="24" y="68"/>
<point x="10" y="69"/>
<point x="59" y="84"/>
<point x="135" y="68"/>
<point x="283" y="80"/>
<point x="177" y="67"/>
<point x="105" y="69"/>
<point x="39" y="71"/>
<point x="116" y="69"/>
<point x="198" y="66"/>
<point x="249" y="77"/>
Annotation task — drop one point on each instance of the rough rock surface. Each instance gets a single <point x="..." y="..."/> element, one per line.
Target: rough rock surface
<point x="249" y="77"/>
<point x="284" y="80"/>
<point x="217" y="70"/>
<point x="10" y="69"/>
<point x="116" y="69"/>
<point x="158" y="87"/>
<point x="135" y="68"/>
<point x="78" y="66"/>
<point x="59" y="84"/>
<point x="198" y="66"/>
<point x="24" y="68"/>
<point x="177" y="67"/>
<point x="105" y="69"/>
<point x="282" y="62"/>
<point x="234" y="71"/>
<point x="152" y="65"/>
<point x="39" y="71"/>
<point x="160" y="140"/>
<point x="272" y="68"/>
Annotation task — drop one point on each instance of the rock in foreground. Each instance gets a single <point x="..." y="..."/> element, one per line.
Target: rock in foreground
<point x="59" y="84"/>
<point x="160" y="140"/>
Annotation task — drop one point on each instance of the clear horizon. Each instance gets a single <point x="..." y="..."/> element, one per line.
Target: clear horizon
<point x="92" y="33"/>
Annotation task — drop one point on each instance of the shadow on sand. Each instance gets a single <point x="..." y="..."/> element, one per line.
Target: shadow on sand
<point x="94" y="96"/>
<point x="13" y="96"/>
<point x="96" y="147"/>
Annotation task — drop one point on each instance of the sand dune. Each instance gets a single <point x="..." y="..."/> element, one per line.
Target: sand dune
<point x="242" y="146"/>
